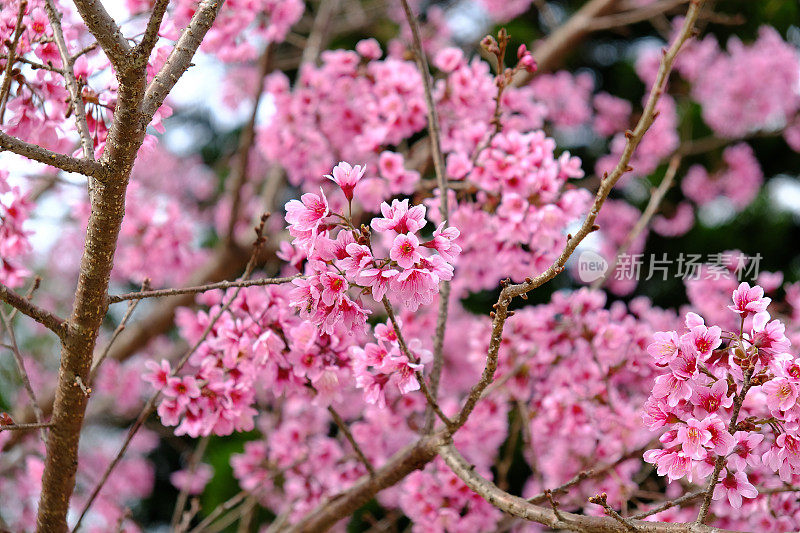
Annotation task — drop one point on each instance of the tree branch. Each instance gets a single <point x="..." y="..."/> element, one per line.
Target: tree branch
<point x="26" y="381"/>
<point x="550" y="51"/>
<point x="180" y="59"/>
<point x="67" y="70"/>
<point x="501" y="312"/>
<point x="432" y="404"/>
<point x="221" y="285"/>
<point x="239" y="171"/>
<point x="11" y="59"/>
<point x="54" y="159"/>
<point x="410" y="458"/>
<point x="117" y="331"/>
<point x="337" y="418"/>
<point x="150" y="37"/>
<point x="521" y="508"/>
<point x="319" y="30"/>
<point x="652" y="205"/>
<point x="634" y="15"/>
<point x="23" y="305"/>
<point x="444" y="211"/>
<point x="150" y="406"/>
<point x="105" y="31"/>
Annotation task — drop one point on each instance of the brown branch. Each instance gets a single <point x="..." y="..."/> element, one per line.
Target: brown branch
<point x="22" y="427"/>
<point x="634" y="15"/>
<point x="68" y="72"/>
<point x="633" y="138"/>
<point x="714" y="479"/>
<point x="551" y="51"/>
<point x="412" y="358"/>
<point x="319" y="30"/>
<point x="416" y="456"/>
<point x="226" y="263"/>
<point x="180" y="59"/>
<point x="183" y="495"/>
<point x="238" y="175"/>
<point x="52" y="322"/>
<point x="89" y="307"/>
<point x="220" y="285"/>
<point x="105" y="31"/>
<point x="117" y="331"/>
<point x="218" y="510"/>
<point x="54" y="159"/>
<point x="521" y="508"/>
<point x="150" y="37"/>
<point x="26" y="381"/>
<point x="11" y="58"/>
<point x="351" y="439"/>
<point x="444" y="212"/>
<point x="602" y="501"/>
<point x="670" y="504"/>
<point x="35" y="65"/>
<point x="329" y="512"/>
<point x="652" y="206"/>
<point x="107" y="199"/>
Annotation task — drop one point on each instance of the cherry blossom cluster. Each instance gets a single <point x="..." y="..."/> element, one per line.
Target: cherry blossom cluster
<point x="728" y="402"/>
<point x="347" y="108"/>
<point x="739" y="181"/>
<point x="578" y="368"/>
<point x="298" y="451"/>
<point x="258" y="344"/>
<point x="744" y="68"/>
<point x="521" y="209"/>
<point x="14" y="246"/>
<point x="340" y="256"/>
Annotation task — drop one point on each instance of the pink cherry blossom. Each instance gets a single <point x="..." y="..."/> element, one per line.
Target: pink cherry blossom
<point x="734" y="486"/>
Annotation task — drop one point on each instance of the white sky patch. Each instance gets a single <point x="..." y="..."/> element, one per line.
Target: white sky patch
<point x="784" y="193"/>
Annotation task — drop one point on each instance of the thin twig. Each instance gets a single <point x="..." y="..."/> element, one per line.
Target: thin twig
<point x="349" y="436"/>
<point x="5" y="89"/>
<point x="24" y="374"/>
<point x="652" y="206"/>
<point x="67" y="70"/>
<point x="220" y="285"/>
<point x="412" y="358"/>
<point x="218" y="510"/>
<point x="714" y="479"/>
<point x="672" y="503"/>
<point x="23" y="427"/>
<point x="444" y="212"/>
<point x="602" y="501"/>
<point x="183" y="495"/>
<point x="239" y="171"/>
<point x="117" y="331"/>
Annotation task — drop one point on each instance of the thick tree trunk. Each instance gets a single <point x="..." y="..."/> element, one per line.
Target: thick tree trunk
<point x="107" y="198"/>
